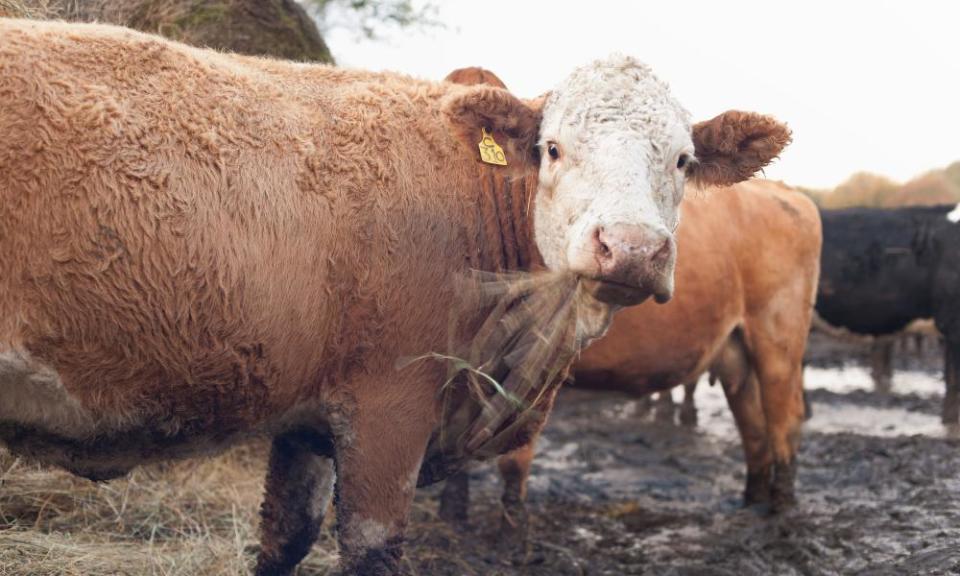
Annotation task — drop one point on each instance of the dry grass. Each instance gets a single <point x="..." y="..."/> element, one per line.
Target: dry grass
<point x="503" y="372"/>
<point x="185" y="518"/>
<point x="22" y="9"/>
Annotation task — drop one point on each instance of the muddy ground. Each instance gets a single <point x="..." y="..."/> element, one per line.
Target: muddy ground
<point x="615" y="492"/>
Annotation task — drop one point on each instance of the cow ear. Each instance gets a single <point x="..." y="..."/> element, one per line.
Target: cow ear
<point x="513" y="123"/>
<point x="473" y="76"/>
<point x="734" y="146"/>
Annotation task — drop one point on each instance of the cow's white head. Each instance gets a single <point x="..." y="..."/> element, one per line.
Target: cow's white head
<point x="615" y="150"/>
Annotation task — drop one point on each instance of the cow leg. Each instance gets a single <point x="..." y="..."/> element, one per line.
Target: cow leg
<point x="298" y="489"/>
<point x="644" y="405"/>
<point x="455" y="499"/>
<point x="807" y="407"/>
<point x="378" y="457"/>
<point x="743" y="397"/>
<point x="515" y="520"/>
<point x="740" y="385"/>
<point x="881" y="364"/>
<point x="951" y="399"/>
<point x="781" y="390"/>
<point x="688" y="410"/>
<point x="664" y="407"/>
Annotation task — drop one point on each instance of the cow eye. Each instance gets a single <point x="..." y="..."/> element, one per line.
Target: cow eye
<point x="553" y="150"/>
<point x="682" y="161"/>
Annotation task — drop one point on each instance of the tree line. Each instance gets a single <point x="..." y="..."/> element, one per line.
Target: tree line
<point x="941" y="186"/>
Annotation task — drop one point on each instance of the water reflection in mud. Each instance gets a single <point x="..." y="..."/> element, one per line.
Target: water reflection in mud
<point x="837" y="417"/>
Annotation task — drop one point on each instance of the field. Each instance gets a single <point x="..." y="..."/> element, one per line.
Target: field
<point x="614" y="491"/>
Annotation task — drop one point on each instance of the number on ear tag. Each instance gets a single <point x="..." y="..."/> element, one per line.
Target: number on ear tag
<point x="490" y="151"/>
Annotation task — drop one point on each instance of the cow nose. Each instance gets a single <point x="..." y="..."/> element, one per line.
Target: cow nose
<point x="624" y="245"/>
<point x="636" y="256"/>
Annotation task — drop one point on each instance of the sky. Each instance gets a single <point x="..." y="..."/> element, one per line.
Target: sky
<point x="865" y="86"/>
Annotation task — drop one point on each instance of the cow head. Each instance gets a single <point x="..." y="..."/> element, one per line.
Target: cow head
<point x="615" y="150"/>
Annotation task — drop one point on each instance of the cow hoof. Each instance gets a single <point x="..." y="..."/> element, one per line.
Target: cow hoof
<point x="453" y="512"/>
<point x="375" y="562"/>
<point x="663" y="414"/>
<point x="455" y="501"/>
<point x="268" y="569"/>
<point x="513" y="537"/>
<point x="757" y="491"/>
<point x="782" y="503"/>
<point x="516" y="550"/>
<point x="688" y="417"/>
<point x="782" y="495"/>
<point x="950" y="414"/>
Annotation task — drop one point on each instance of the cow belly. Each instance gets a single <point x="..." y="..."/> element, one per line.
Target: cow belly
<point x="644" y="377"/>
<point x="42" y="420"/>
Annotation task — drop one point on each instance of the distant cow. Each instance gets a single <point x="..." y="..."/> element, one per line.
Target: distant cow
<point x="748" y="260"/>
<point x="883" y="268"/>
<point x="198" y="247"/>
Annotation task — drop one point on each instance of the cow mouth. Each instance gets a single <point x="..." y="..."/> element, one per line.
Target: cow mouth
<point x="620" y="293"/>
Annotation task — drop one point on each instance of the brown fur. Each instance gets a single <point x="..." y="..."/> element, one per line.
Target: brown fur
<point x="204" y="246"/>
<point x="736" y="145"/>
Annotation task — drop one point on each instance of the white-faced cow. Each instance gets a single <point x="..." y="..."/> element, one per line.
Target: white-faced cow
<point x="884" y="268"/>
<point x="199" y="247"/>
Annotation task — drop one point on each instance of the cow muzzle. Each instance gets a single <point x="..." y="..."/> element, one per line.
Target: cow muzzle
<point x="631" y="263"/>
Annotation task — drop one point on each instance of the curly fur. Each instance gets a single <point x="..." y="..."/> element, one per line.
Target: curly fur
<point x="735" y="145"/>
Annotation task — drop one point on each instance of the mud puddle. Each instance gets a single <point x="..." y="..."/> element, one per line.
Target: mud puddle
<point x="842" y="400"/>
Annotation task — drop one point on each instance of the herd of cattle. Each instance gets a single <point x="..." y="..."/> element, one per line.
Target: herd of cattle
<point x="197" y="248"/>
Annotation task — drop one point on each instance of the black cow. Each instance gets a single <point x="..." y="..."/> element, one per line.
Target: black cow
<point x="883" y="268"/>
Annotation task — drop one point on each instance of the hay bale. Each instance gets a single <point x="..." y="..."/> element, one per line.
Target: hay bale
<point x="24" y="9"/>
<point x="275" y="28"/>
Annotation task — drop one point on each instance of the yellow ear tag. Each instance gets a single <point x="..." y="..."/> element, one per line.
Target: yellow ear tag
<point x="490" y="151"/>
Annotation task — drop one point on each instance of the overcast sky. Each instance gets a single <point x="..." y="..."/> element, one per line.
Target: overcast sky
<point x="864" y="85"/>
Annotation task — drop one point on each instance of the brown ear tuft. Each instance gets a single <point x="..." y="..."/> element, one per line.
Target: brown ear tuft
<point x="736" y="145"/>
<point x="473" y="76"/>
<point x="514" y="124"/>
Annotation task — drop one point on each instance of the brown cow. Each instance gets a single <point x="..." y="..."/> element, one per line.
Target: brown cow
<point x="200" y="247"/>
<point x="747" y="273"/>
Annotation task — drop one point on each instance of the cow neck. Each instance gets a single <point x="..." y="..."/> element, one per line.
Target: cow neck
<point x="505" y="232"/>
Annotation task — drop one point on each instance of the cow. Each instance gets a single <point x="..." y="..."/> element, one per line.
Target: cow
<point x="199" y="248"/>
<point x="747" y="268"/>
<point x="883" y="268"/>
